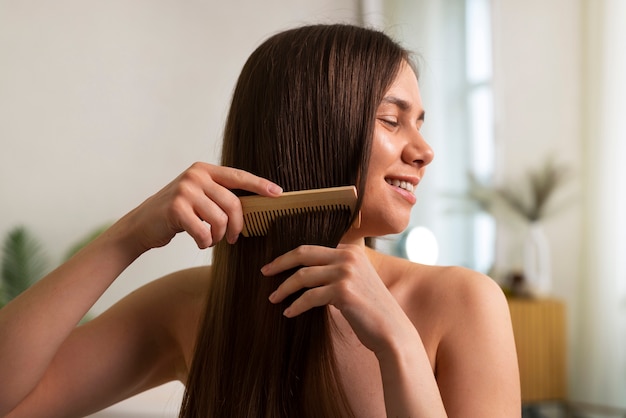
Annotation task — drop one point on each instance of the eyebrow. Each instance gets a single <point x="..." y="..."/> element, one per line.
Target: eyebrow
<point x="402" y="104"/>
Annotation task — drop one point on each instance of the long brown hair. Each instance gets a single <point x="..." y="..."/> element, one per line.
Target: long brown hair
<point x="302" y="115"/>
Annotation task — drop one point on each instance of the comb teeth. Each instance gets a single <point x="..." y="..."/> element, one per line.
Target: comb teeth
<point x="259" y="222"/>
<point x="259" y="212"/>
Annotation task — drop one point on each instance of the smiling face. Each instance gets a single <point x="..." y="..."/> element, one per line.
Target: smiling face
<point x="398" y="160"/>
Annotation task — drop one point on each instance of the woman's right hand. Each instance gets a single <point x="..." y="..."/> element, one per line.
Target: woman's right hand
<point x="45" y="356"/>
<point x="198" y="201"/>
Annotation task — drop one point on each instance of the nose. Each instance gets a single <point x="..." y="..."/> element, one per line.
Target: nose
<point x="417" y="151"/>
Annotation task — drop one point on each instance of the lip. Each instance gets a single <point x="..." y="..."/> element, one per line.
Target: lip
<point x="407" y="195"/>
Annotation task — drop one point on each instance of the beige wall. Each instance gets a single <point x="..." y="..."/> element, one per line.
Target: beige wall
<point x="103" y="102"/>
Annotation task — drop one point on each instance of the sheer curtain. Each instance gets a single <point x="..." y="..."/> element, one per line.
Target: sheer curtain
<point x="600" y="351"/>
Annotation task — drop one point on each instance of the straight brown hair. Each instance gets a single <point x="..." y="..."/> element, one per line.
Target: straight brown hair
<point x="302" y="115"/>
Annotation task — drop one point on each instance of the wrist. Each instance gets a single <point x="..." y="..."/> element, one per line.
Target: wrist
<point x="122" y="240"/>
<point x="396" y="350"/>
<point x="409" y="384"/>
<point x="402" y="338"/>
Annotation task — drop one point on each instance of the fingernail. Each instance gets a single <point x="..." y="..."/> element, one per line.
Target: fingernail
<point x="287" y="312"/>
<point x="272" y="297"/>
<point x="233" y="238"/>
<point x="265" y="269"/>
<point x="275" y="189"/>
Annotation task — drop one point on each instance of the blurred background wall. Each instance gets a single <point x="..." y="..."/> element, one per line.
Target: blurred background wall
<point x="103" y="102"/>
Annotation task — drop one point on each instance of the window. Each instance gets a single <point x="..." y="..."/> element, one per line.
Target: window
<point x="480" y="119"/>
<point x="454" y="39"/>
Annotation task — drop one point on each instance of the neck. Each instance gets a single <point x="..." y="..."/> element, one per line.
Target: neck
<point x="350" y="239"/>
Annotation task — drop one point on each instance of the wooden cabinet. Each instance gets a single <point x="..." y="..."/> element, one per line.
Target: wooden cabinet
<point x="540" y="337"/>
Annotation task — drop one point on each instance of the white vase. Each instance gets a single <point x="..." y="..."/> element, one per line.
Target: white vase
<point x="537" y="265"/>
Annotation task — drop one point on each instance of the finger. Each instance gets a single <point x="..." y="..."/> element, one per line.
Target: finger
<point x="312" y="298"/>
<point x="234" y="178"/>
<point x="306" y="277"/>
<point x="226" y="178"/>
<point x="304" y="255"/>
<point x="230" y="206"/>
<point x="199" y="230"/>
<point x="211" y="213"/>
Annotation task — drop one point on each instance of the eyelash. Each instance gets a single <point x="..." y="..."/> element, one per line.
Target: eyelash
<point x="393" y="123"/>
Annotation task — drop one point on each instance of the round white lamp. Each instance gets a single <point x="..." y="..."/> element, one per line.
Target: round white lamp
<point x="420" y="245"/>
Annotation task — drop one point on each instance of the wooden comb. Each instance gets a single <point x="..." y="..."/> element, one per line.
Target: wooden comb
<point x="259" y="212"/>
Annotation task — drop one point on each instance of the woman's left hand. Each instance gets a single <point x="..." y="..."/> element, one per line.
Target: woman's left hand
<point x="344" y="278"/>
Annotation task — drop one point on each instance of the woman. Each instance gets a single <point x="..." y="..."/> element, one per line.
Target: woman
<point x="307" y="321"/>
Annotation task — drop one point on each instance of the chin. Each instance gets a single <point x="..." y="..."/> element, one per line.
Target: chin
<point x="399" y="230"/>
<point x="398" y="224"/>
<point x="383" y="218"/>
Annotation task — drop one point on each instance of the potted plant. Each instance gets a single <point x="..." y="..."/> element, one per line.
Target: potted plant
<point x="24" y="261"/>
<point x="531" y="201"/>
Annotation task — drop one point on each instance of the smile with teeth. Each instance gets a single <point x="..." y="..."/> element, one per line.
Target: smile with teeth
<point x="409" y="187"/>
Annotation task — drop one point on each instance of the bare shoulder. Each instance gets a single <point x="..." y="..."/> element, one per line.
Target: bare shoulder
<point x="190" y="285"/>
<point x="449" y="292"/>
<point x="181" y="296"/>
<point x="464" y="322"/>
<point x="448" y="305"/>
<point x="459" y="303"/>
<point x="171" y="308"/>
<point x="181" y="292"/>
<point x="465" y="289"/>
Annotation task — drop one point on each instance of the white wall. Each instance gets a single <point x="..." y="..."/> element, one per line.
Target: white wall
<point x="103" y="102"/>
<point x="560" y="89"/>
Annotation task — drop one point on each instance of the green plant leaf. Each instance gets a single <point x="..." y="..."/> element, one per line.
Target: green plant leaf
<point x="23" y="263"/>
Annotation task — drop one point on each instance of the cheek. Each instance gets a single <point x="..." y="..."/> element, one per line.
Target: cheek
<point x="382" y="143"/>
<point x="382" y="156"/>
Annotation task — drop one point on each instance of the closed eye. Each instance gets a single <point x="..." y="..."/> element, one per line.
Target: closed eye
<point x="392" y="122"/>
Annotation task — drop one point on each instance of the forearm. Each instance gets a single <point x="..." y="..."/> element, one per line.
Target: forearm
<point x="35" y="324"/>
<point x="409" y="384"/>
